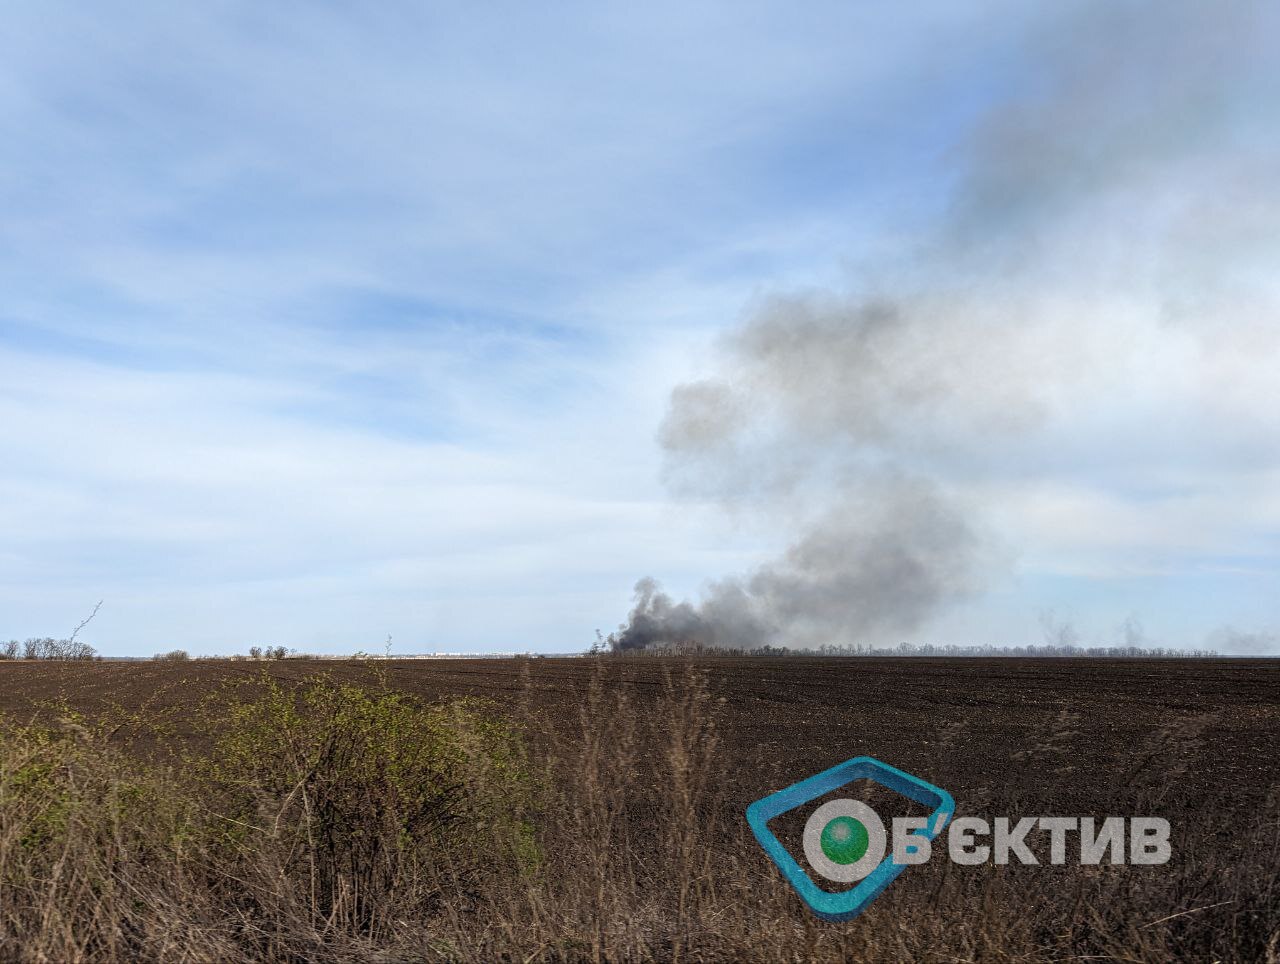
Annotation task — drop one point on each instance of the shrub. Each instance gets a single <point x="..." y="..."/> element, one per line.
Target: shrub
<point x="322" y="821"/>
<point x="373" y="801"/>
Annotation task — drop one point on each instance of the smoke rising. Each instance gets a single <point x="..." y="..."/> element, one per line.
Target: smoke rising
<point x="817" y="414"/>
<point x="1090" y="212"/>
<point x="877" y="563"/>
<point x="1235" y="642"/>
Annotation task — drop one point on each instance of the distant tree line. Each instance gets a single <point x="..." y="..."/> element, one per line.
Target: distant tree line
<point x="915" y="649"/>
<point x="255" y="652"/>
<point x="46" y="648"/>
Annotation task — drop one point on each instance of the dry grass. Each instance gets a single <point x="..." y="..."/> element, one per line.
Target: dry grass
<point x="327" y="822"/>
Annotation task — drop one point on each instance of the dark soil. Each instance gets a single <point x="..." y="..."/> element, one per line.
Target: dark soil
<point x="1061" y="735"/>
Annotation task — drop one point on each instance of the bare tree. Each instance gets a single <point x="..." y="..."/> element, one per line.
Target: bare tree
<point x="36" y="648"/>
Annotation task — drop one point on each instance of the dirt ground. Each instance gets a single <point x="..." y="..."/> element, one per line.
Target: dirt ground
<point x="1065" y="734"/>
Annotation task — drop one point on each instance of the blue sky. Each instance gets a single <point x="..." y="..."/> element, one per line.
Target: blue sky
<point x="322" y="322"/>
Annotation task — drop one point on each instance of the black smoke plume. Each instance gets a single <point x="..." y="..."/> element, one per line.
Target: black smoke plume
<point x="875" y="426"/>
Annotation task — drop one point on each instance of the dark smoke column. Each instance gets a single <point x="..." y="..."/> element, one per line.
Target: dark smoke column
<point x="816" y="397"/>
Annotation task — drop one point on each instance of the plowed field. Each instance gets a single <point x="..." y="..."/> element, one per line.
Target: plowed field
<point x="1066" y="734"/>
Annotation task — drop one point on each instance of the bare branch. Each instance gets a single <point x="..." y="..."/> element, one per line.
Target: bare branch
<point x="84" y="622"/>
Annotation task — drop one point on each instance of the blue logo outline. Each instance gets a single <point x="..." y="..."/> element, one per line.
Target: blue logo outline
<point x="846" y="904"/>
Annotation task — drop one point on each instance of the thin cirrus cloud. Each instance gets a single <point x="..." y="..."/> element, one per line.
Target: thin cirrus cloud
<point x="319" y="324"/>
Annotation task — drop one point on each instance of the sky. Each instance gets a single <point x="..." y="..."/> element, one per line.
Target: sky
<point x="323" y="323"/>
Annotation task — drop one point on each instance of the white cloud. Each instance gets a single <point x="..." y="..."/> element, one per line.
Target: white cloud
<point x="316" y="324"/>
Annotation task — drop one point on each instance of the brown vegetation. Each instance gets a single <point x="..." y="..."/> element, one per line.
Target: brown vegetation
<point x="594" y="810"/>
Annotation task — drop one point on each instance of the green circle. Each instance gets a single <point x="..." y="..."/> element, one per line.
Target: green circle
<point x="844" y="840"/>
